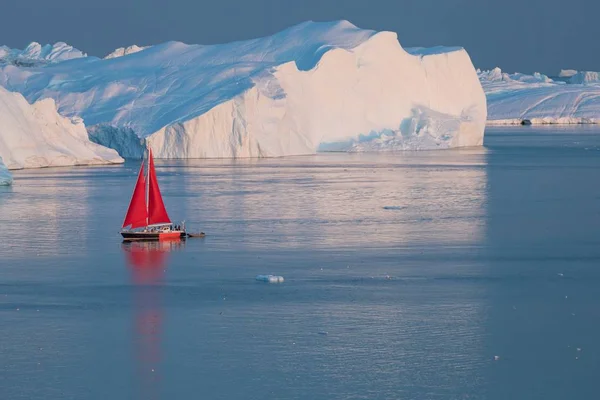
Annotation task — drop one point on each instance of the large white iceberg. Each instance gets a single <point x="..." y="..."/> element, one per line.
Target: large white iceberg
<point x="36" y="135"/>
<point x="5" y="176"/>
<point x="313" y="86"/>
<point x="511" y="98"/>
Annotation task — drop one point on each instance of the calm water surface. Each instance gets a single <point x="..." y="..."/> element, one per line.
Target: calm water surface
<point x="406" y="275"/>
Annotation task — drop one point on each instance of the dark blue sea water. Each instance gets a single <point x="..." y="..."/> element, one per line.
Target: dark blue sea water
<point x="460" y="274"/>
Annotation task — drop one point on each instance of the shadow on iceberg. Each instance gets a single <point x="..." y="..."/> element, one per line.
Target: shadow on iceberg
<point x="425" y="129"/>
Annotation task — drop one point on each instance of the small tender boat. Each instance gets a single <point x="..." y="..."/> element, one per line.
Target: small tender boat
<point x="147" y="217"/>
<point x="196" y="234"/>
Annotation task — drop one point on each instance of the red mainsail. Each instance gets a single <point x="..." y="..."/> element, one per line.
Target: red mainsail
<point x="137" y="213"/>
<point x="157" y="214"/>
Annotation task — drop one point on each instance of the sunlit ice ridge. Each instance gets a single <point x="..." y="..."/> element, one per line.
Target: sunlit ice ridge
<point x="314" y="86"/>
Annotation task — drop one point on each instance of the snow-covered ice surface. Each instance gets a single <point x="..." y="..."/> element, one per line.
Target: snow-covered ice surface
<point x="36" y="135"/>
<point x="514" y="97"/>
<point x="5" y="176"/>
<point x="314" y="85"/>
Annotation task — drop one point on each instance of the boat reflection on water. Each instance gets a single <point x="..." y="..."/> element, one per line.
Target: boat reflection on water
<point x="147" y="262"/>
<point x="147" y="259"/>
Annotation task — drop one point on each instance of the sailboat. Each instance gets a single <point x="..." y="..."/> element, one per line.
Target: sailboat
<point x="147" y="217"/>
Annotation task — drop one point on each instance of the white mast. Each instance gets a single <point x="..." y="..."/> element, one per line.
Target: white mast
<point x="147" y="186"/>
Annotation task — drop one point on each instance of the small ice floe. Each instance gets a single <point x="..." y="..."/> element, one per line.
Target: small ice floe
<point x="579" y="349"/>
<point x="324" y="333"/>
<point x="561" y="274"/>
<point x="269" y="278"/>
<point x="496" y="358"/>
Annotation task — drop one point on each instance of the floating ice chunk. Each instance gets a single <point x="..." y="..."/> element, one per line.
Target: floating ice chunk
<point x="5" y="176"/>
<point x="269" y="278"/>
<point x="496" y="358"/>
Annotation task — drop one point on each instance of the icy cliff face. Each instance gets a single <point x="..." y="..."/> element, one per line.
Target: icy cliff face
<point x="35" y="135"/>
<point x="36" y="54"/>
<point x="514" y="97"/>
<point x="5" y="176"/>
<point x="313" y="86"/>
<point x="583" y="77"/>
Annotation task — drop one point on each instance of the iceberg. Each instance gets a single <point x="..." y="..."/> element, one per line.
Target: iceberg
<point x="270" y="278"/>
<point x="584" y="77"/>
<point x="124" y="51"/>
<point x="512" y="98"/>
<point x="36" y="135"/>
<point x="311" y="87"/>
<point x="5" y="176"/>
<point x="36" y="54"/>
<point x="567" y="73"/>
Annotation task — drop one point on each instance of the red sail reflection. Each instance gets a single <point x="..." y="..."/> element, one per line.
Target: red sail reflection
<point x="147" y="262"/>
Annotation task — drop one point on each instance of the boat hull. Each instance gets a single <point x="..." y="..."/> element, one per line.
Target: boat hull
<point x="174" y="235"/>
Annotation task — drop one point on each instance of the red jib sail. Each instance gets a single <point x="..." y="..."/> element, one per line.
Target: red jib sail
<point x="157" y="214"/>
<point x="136" y="213"/>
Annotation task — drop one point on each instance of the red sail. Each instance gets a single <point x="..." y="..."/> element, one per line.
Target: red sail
<point x="157" y="214"/>
<point x="137" y="213"/>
